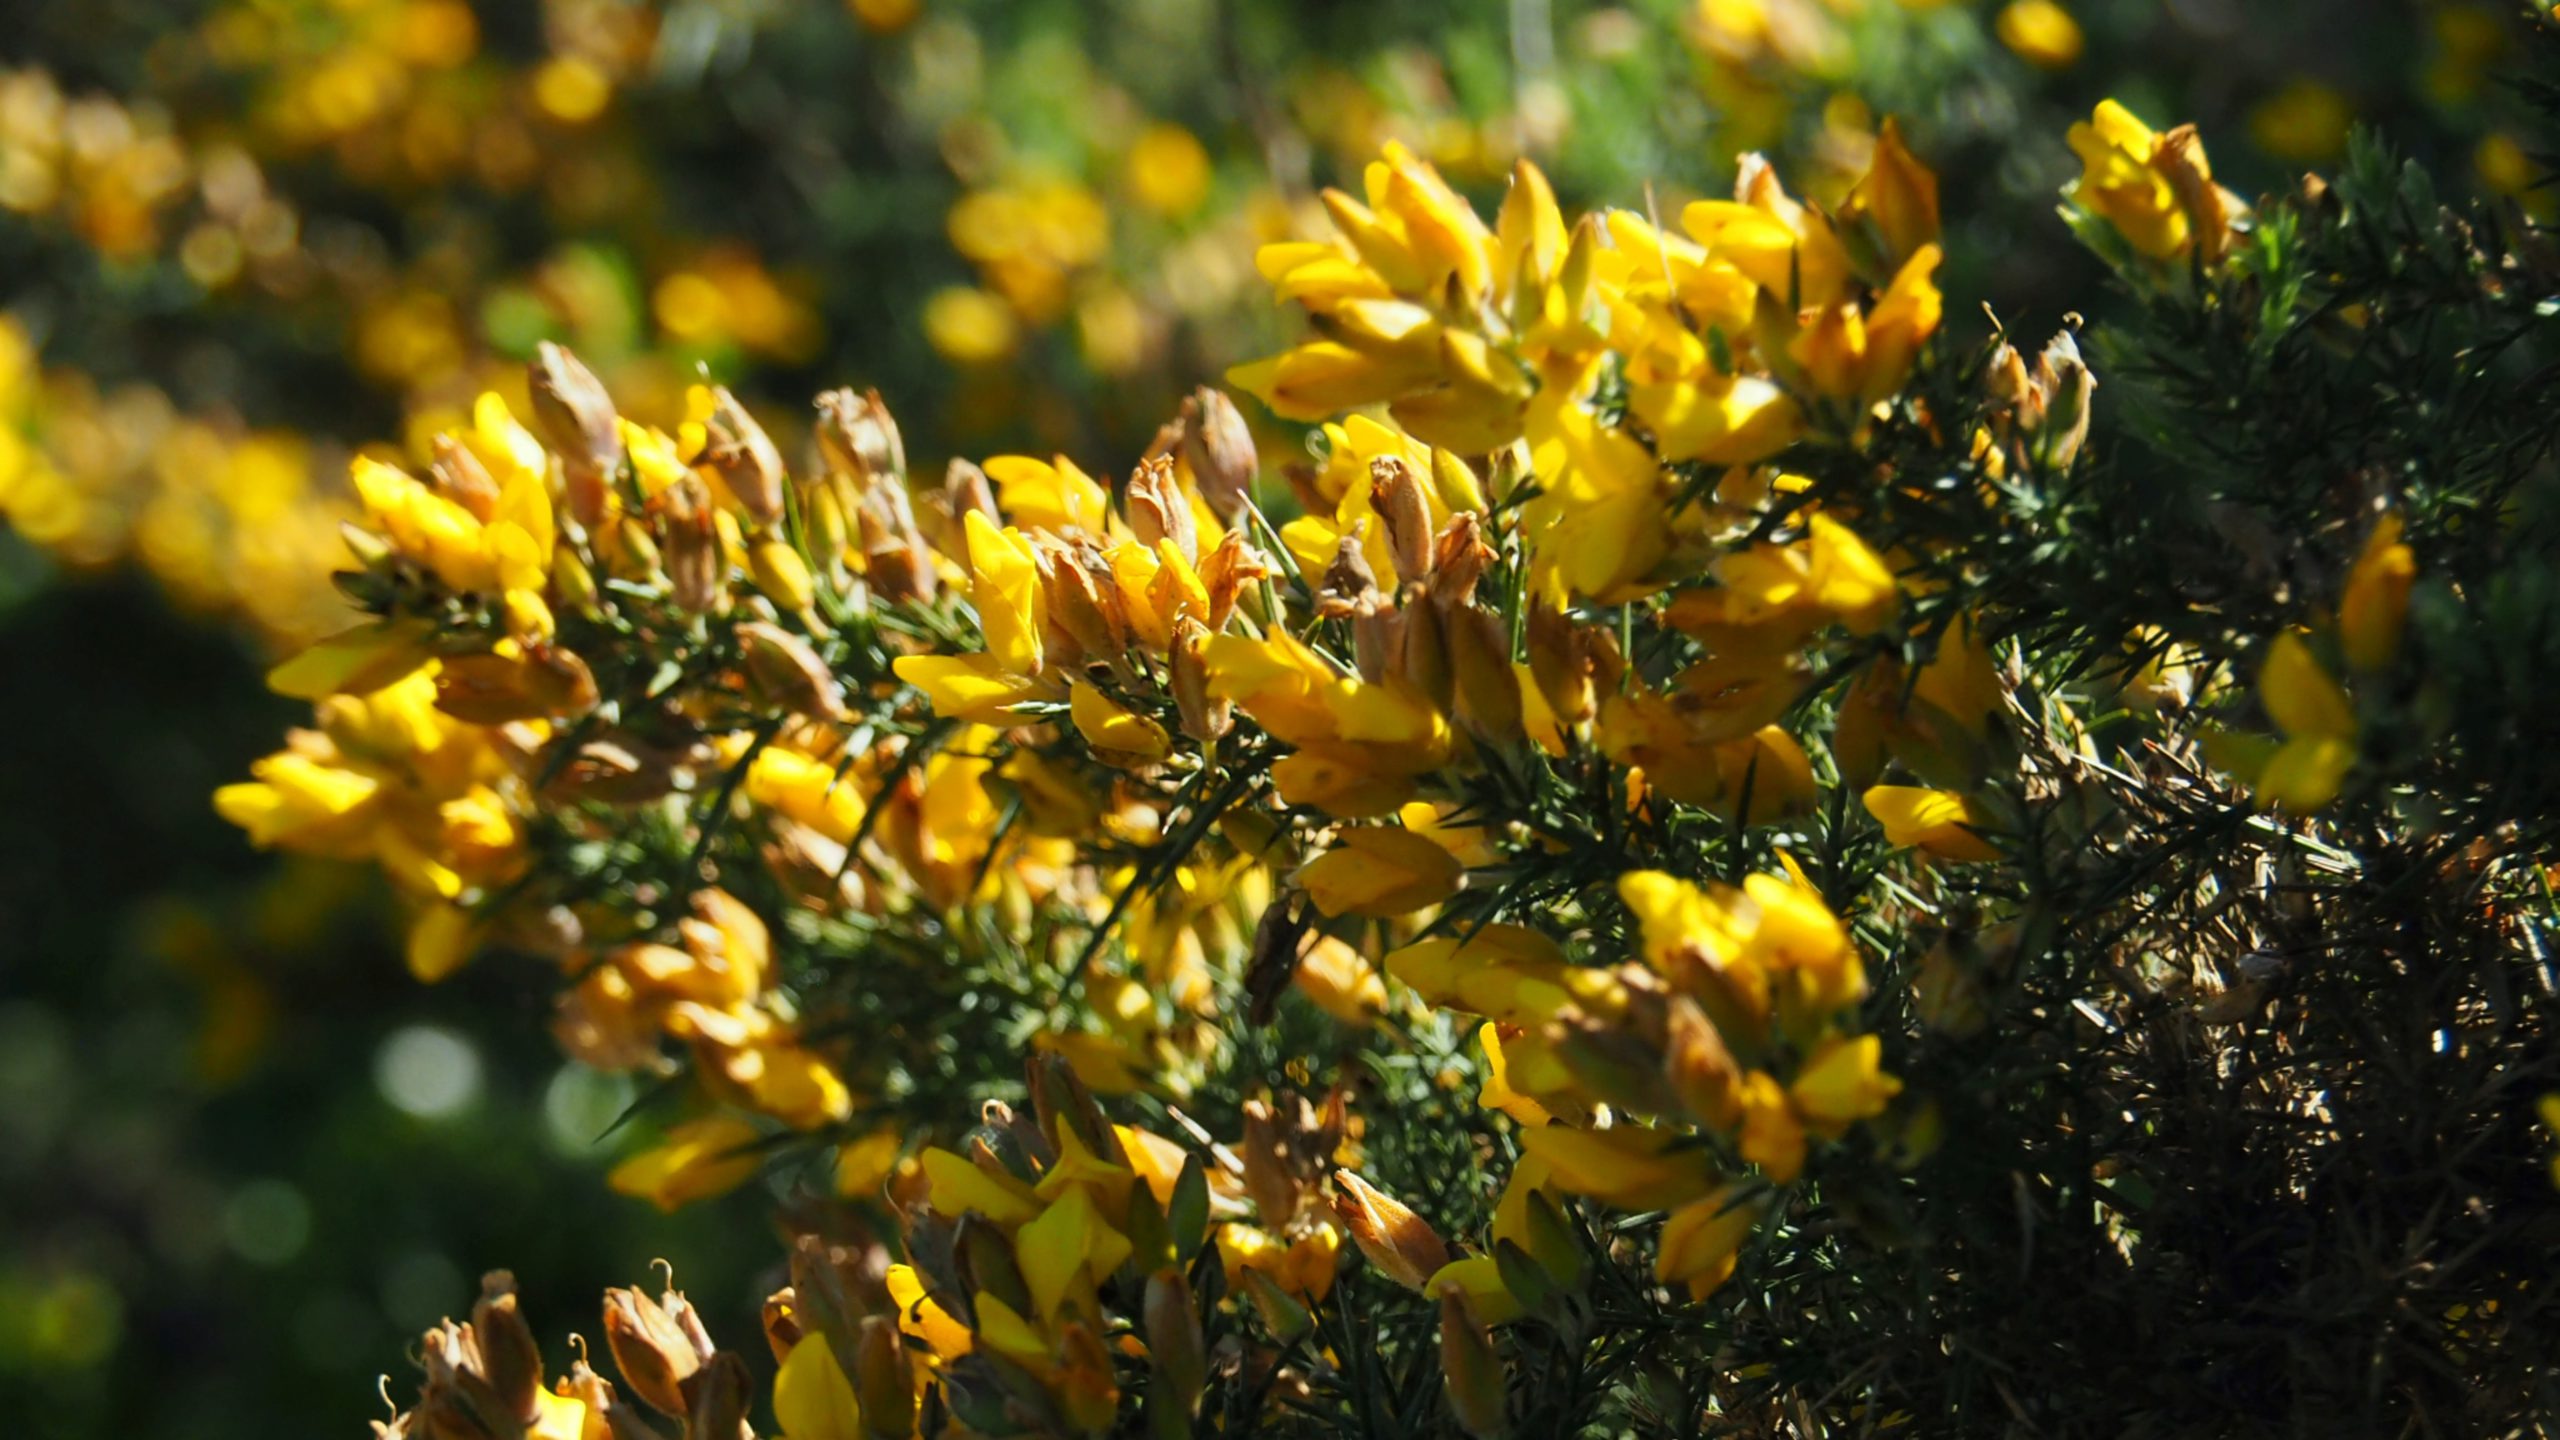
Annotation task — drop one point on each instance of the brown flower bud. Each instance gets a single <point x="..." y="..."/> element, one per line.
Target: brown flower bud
<point x="1218" y="447"/>
<point x="690" y="547"/>
<point x="857" y="435"/>
<point x="2209" y="208"/>
<point x="1488" y="689"/>
<point x="1225" y="573"/>
<point x="1176" y="1350"/>
<point x="653" y="1352"/>
<point x="461" y="478"/>
<point x="782" y="1328"/>
<point x="1471" y="1368"/>
<point x="1377" y="638"/>
<point x="1348" y="579"/>
<point x="1158" y="510"/>
<point x="1459" y="558"/>
<point x="784" y="669"/>
<point x="720" y="1393"/>
<point x="509" y="1356"/>
<point x="1204" y="717"/>
<point x="965" y="488"/>
<point x="884" y="1379"/>
<point x="578" y="422"/>
<point x="1395" y="492"/>
<point x="897" y="561"/>
<point x="1269" y="1176"/>
<point x="1083" y="601"/>
<point x="1562" y="662"/>
<point x="1422" y="655"/>
<point x="1700" y="1067"/>
<point x="1399" y="1242"/>
<point x="491" y="689"/>
<point x="744" y="457"/>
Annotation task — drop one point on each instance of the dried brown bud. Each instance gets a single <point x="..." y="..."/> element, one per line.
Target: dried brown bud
<point x="509" y="1356"/>
<point x="965" y="488"/>
<point x="654" y="1352"/>
<point x="1395" y="492"/>
<point x="461" y="478"/>
<point x="578" y="422"/>
<point x="884" y="1378"/>
<point x="1399" y="1242"/>
<point x="895" y="557"/>
<point x="1224" y="574"/>
<point x="1487" y="688"/>
<point x="1158" y="510"/>
<point x="1270" y="1175"/>
<point x="785" y="670"/>
<point x="1218" y="447"/>
<point x="491" y="689"/>
<point x="1204" y="718"/>
<point x="782" y="1328"/>
<point x="1459" y="558"/>
<point x="1348" y="580"/>
<point x="857" y="435"/>
<point x="689" y="545"/>
<point x="744" y="457"/>
<point x="1176" y="1350"/>
<point x="720" y="1392"/>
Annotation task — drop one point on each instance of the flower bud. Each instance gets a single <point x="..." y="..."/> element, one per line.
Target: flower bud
<point x="1348" y="580"/>
<point x="1158" y="510"/>
<point x="1395" y="492"/>
<point x="1176" y="1350"/>
<point x="896" y="560"/>
<point x="1282" y="1315"/>
<point x="578" y="423"/>
<point x="460" y="477"/>
<point x="1225" y="573"/>
<point x="720" y="1394"/>
<point x="965" y="488"/>
<point x="1471" y="1369"/>
<point x="857" y="436"/>
<point x="783" y="669"/>
<point x="782" y="575"/>
<point x="653" y="1352"/>
<point x="782" y="1327"/>
<point x="1399" y="1242"/>
<point x="884" y="1379"/>
<point x="744" y="457"/>
<point x="509" y="1355"/>
<point x="697" y="563"/>
<point x="1205" y="718"/>
<point x="1488" y="689"/>
<point x="1218" y="447"/>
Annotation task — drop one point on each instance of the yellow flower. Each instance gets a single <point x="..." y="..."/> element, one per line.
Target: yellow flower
<point x="2375" y="607"/>
<point x="1118" y="736"/>
<point x="1341" y="982"/>
<point x="1633" y="1167"/>
<point x="1066" y="1252"/>
<point x="1898" y="193"/>
<point x="1005" y="590"/>
<point x="2157" y="190"/>
<point x="697" y="1160"/>
<point x="2041" y="33"/>
<point x="1841" y="1083"/>
<point x="1941" y="822"/>
<point x="1380" y="871"/>
<point x="1701" y="1240"/>
<point x="812" y="1398"/>
<point x="1168" y="170"/>
<point x="968" y="326"/>
<point x="2319" y="725"/>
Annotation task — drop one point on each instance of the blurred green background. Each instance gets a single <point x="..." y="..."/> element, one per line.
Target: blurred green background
<point x="243" y="1157"/>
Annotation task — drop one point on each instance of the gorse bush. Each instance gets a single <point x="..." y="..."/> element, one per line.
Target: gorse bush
<point x="1773" y="860"/>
